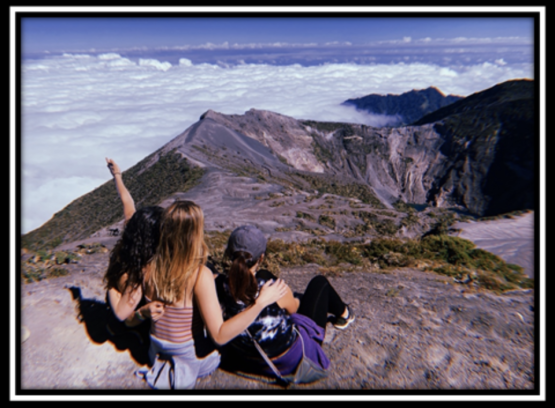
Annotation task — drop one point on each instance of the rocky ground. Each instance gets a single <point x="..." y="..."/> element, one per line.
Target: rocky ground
<point x="414" y="331"/>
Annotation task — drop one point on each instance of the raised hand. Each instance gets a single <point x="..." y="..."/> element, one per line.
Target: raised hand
<point x="126" y="199"/>
<point x="113" y="167"/>
<point x="271" y="292"/>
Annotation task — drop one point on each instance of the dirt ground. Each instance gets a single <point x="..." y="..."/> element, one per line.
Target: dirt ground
<point x="414" y="332"/>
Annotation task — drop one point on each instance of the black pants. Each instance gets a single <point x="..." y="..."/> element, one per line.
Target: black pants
<point x="319" y="299"/>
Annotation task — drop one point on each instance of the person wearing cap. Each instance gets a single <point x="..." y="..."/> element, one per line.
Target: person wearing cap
<point x="279" y="325"/>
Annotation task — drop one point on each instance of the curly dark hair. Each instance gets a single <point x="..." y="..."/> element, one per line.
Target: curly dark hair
<point x="135" y="249"/>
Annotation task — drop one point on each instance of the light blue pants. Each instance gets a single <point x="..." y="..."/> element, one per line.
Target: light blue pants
<point x="175" y="365"/>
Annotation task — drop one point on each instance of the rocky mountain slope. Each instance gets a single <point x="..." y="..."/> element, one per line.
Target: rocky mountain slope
<point x="490" y="138"/>
<point x="414" y="331"/>
<point x="476" y="156"/>
<point x="405" y="108"/>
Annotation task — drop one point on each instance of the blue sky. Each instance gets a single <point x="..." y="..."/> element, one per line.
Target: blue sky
<point x="66" y="34"/>
<point x="284" y="40"/>
<point x="122" y="87"/>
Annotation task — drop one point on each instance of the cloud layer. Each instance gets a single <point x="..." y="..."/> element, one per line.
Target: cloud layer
<point x="79" y="108"/>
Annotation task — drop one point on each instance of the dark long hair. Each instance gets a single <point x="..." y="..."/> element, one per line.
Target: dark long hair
<point x="135" y="249"/>
<point x="242" y="283"/>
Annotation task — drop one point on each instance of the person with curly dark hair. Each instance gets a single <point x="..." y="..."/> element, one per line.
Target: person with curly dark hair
<point x="130" y="259"/>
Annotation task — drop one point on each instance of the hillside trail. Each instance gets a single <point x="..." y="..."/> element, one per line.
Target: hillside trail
<point x="414" y="330"/>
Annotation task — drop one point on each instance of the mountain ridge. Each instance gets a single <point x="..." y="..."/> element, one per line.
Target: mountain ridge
<point x="404" y="108"/>
<point x="442" y="164"/>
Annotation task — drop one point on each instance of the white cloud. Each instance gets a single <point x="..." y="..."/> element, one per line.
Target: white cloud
<point x="109" y="56"/>
<point x="63" y="190"/>
<point x="78" y="109"/>
<point x="428" y="41"/>
<point x="163" y="66"/>
<point x="184" y="62"/>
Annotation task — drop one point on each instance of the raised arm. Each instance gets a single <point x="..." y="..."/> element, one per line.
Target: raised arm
<point x="211" y="312"/>
<point x="124" y="195"/>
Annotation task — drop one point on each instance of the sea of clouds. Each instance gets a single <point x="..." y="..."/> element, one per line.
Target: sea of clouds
<point x="78" y="109"/>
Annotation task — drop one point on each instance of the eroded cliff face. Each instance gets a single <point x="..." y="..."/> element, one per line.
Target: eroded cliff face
<point x="398" y="163"/>
<point x="414" y="164"/>
<point x="475" y="158"/>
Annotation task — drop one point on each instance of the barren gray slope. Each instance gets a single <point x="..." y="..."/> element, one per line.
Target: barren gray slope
<point x="284" y="135"/>
<point x="208" y="141"/>
<point x="512" y="239"/>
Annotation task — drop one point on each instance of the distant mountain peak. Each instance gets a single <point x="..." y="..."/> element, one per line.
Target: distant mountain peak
<point x="210" y="114"/>
<point x="407" y="107"/>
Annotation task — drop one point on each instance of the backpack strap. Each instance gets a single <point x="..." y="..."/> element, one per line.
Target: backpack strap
<point x="279" y="377"/>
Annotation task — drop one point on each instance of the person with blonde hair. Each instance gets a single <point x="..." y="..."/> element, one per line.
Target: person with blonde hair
<point x="179" y="351"/>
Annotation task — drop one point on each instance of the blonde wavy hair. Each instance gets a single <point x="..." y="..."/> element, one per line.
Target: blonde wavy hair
<point x="181" y="251"/>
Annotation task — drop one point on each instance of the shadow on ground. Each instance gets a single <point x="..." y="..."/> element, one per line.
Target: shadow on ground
<point x="101" y="326"/>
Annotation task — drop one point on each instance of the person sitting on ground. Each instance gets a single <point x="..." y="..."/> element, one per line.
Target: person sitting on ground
<point x="129" y="259"/>
<point x="179" y="278"/>
<point x="279" y="326"/>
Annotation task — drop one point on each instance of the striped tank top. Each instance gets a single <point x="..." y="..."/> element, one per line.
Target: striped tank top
<point x="177" y="324"/>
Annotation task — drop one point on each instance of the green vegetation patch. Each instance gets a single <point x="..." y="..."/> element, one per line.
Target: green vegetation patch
<point x="323" y="154"/>
<point x="509" y="215"/>
<point x="400" y="205"/>
<point x="410" y="220"/>
<point x="305" y="216"/>
<point x="451" y="256"/>
<point x="327" y="185"/>
<point x="326" y="221"/>
<point x="326" y="126"/>
<point x="443" y="225"/>
<point x="43" y="264"/>
<point x="148" y="185"/>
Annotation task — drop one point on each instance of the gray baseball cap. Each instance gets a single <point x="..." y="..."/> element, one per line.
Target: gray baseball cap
<point x="246" y="238"/>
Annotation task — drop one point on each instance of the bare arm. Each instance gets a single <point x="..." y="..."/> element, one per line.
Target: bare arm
<point x="289" y="302"/>
<point x="124" y="305"/>
<point x="153" y="310"/>
<point x="211" y="312"/>
<point x="124" y="195"/>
